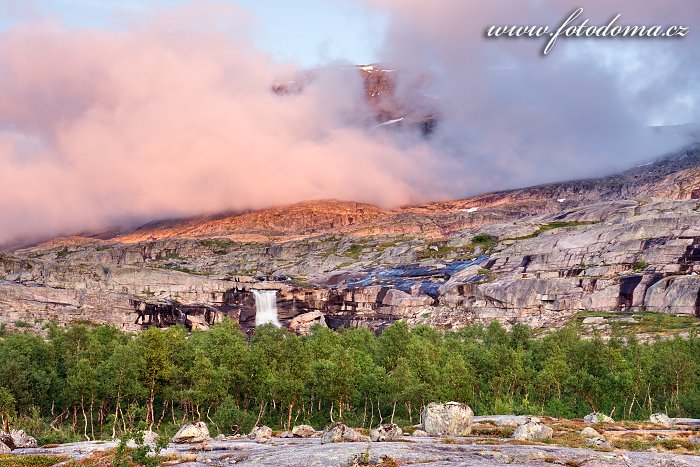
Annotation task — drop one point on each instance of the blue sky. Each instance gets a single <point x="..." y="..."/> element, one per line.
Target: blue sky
<point x="309" y="32"/>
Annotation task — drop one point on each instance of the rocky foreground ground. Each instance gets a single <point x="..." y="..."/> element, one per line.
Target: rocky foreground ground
<point x="449" y="435"/>
<point x="471" y="451"/>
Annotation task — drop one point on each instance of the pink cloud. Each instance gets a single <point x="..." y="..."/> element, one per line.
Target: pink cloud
<point x="173" y="115"/>
<point x="166" y="120"/>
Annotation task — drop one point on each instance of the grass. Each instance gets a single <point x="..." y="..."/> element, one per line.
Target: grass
<point x="394" y="242"/>
<point x="173" y="255"/>
<point x="63" y="253"/>
<point x="355" y="250"/>
<point x="552" y="226"/>
<point x="329" y="252"/>
<point x="218" y="246"/>
<point x="9" y="460"/>
<point x="184" y="269"/>
<point x="437" y="249"/>
<point x="440" y="249"/>
<point x="300" y="282"/>
<point x="646" y="322"/>
<point x="109" y="458"/>
<point x="675" y="445"/>
<point x="640" y="265"/>
<point x="484" y="241"/>
<point x="243" y="272"/>
<point x="493" y="431"/>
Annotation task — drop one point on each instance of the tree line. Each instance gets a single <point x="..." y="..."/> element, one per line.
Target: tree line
<point x="89" y="382"/>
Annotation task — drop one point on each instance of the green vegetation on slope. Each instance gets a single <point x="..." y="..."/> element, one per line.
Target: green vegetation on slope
<point x="551" y="226"/>
<point x="96" y="381"/>
<point x="218" y="246"/>
<point x="485" y="241"/>
<point x="647" y="322"/>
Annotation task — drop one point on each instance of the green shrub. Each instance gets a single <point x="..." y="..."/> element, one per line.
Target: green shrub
<point x="485" y="241"/>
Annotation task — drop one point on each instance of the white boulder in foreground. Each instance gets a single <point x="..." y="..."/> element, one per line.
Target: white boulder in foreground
<point x="22" y="439"/>
<point x="449" y="419"/>
<point x="386" y="432"/>
<point x="192" y="433"/>
<point x="339" y="433"/>
<point x="260" y="434"/>
<point x="533" y="430"/>
<point x="304" y="431"/>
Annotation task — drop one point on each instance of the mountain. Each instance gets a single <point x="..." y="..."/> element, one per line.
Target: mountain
<point x="675" y="177"/>
<point x="536" y="255"/>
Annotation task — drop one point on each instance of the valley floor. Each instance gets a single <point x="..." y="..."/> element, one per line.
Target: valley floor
<point x="410" y="451"/>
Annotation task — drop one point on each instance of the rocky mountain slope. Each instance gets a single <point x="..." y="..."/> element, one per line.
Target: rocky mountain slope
<point x="536" y="255"/>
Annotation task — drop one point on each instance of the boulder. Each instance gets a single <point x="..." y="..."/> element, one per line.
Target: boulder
<point x="502" y="420"/>
<point x="260" y="434"/>
<point x="386" y="432"/>
<point x="192" y="433"/>
<point x="589" y="432"/>
<point x="661" y="419"/>
<point x="7" y="440"/>
<point x="303" y="323"/>
<point x="420" y="433"/>
<point x="339" y="433"/>
<point x="597" y="417"/>
<point x="150" y="437"/>
<point x="286" y="434"/>
<point x="22" y="439"/>
<point x="4" y="449"/>
<point x="533" y="431"/>
<point x="599" y="442"/>
<point x="449" y="419"/>
<point x="304" y="431"/>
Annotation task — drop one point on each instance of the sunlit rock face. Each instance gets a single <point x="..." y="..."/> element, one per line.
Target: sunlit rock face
<point x="522" y="256"/>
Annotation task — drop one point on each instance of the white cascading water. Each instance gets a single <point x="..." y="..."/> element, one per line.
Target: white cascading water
<point x="266" y="307"/>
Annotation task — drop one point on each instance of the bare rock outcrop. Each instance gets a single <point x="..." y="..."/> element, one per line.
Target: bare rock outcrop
<point x="260" y="434"/>
<point x="304" y="431"/>
<point x="597" y="417"/>
<point x="192" y="433"/>
<point x="22" y="439"/>
<point x="589" y="432"/>
<point x="661" y="419"/>
<point x="7" y="440"/>
<point x="386" y="432"/>
<point x="303" y="323"/>
<point x="340" y="433"/>
<point x="448" y="419"/>
<point x="533" y="430"/>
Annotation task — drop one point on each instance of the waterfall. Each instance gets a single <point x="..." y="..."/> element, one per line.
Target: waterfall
<point x="266" y="307"/>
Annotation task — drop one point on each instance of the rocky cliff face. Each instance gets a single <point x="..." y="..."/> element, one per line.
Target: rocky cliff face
<point x="393" y="98"/>
<point x="536" y="255"/>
